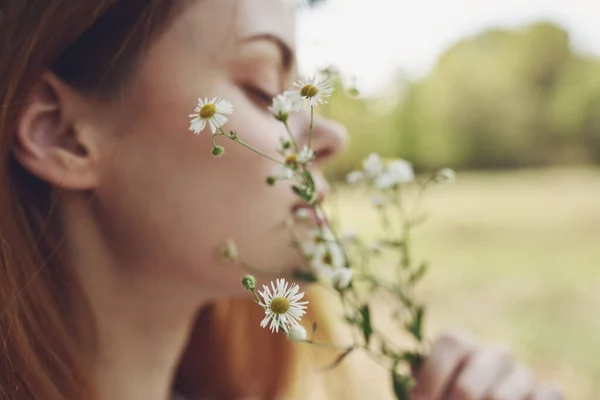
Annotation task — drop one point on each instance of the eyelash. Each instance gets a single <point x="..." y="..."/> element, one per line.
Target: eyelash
<point x="259" y="96"/>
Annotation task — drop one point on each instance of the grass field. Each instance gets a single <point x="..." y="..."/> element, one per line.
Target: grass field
<point x="516" y="259"/>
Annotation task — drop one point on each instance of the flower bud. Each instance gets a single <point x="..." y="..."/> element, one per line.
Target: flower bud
<point x="218" y="150"/>
<point x="445" y="175"/>
<point x="229" y="251"/>
<point x="249" y="282"/>
<point x="297" y="333"/>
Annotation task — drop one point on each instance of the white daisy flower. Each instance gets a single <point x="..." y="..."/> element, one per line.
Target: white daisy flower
<point x="402" y="170"/>
<point x="302" y="214"/>
<point x="396" y="173"/>
<point x="310" y="90"/>
<point x="281" y="108"/>
<point x="328" y="257"/>
<point x="373" y="166"/>
<point x="210" y="112"/>
<point x="324" y="253"/>
<point x="341" y="278"/>
<point x="306" y="155"/>
<point x="317" y="240"/>
<point x="283" y="308"/>
<point x="445" y="175"/>
<point x="283" y="173"/>
<point x="354" y="177"/>
<point x="378" y="201"/>
<point x="349" y="237"/>
<point x="297" y="333"/>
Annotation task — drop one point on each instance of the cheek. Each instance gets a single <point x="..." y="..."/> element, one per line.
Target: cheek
<point x="166" y="200"/>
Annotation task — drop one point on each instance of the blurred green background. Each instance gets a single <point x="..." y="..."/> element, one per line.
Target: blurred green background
<point x="501" y="99"/>
<point x="515" y="243"/>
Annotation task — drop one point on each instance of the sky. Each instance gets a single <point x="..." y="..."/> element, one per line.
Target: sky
<point x="371" y="39"/>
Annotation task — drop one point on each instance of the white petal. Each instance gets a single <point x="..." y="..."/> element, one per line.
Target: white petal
<point x="297" y="333"/>
<point x="213" y="125"/>
<point x="224" y="107"/>
<point x="265" y="321"/>
<point x="221" y="120"/>
<point x="341" y="278"/>
<point x="197" y="126"/>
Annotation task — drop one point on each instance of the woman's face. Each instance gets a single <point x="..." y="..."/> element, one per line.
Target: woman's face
<point x="166" y="205"/>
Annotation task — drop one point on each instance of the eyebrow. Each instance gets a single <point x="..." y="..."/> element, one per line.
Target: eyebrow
<point x="287" y="54"/>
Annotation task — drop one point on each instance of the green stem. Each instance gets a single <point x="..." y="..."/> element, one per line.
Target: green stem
<point x="419" y="198"/>
<point x="246" y="145"/>
<point x="292" y="138"/>
<point x="312" y="120"/>
<point x="330" y="345"/>
<point x="255" y="270"/>
<point x="385" y="221"/>
<point x="255" y="296"/>
<point x="406" y="259"/>
<point x="336" y="238"/>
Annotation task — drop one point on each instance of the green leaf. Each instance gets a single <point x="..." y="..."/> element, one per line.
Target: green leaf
<point x="414" y="359"/>
<point x="419" y="273"/>
<point x="340" y="358"/>
<point x="415" y="327"/>
<point x="366" y="322"/>
<point x="305" y="276"/>
<point x="301" y="193"/>
<point x="392" y="243"/>
<point x="309" y="179"/>
<point x="402" y="385"/>
<point x="386" y="351"/>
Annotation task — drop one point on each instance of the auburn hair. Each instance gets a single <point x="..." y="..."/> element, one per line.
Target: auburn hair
<point x="94" y="46"/>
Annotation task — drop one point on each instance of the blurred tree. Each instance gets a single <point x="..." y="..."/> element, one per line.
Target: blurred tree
<point x="501" y="99"/>
<point x="487" y="101"/>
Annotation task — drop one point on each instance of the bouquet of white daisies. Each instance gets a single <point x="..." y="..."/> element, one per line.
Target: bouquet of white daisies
<point x="343" y="263"/>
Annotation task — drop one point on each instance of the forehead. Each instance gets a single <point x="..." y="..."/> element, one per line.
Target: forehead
<point x="219" y="25"/>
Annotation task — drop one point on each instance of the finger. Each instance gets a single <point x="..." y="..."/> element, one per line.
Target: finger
<point x="547" y="391"/>
<point x="481" y="372"/>
<point x="518" y="384"/>
<point x="449" y="352"/>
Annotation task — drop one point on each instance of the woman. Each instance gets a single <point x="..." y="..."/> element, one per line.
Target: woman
<point x="113" y="212"/>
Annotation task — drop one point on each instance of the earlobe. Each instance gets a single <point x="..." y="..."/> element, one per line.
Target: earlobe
<point x="48" y="141"/>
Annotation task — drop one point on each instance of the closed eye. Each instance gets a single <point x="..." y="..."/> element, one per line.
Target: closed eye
<point x="260" y="97"/>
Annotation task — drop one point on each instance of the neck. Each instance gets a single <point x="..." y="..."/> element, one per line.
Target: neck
<point x="142" y="322"/>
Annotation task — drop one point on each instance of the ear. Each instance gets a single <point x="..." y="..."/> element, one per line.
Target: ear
<point x="51" y="140"/>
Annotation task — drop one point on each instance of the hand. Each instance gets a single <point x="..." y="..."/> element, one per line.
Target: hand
<point x="459" y="368"/>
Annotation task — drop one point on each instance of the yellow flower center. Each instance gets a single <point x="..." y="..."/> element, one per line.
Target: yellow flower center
<point x="208" y="111"/>
<point x="309" y="91"/>
<point x="291" y="159"/>
<point x="280" y="305"/>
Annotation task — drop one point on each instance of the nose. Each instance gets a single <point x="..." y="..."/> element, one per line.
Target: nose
<point x="328" y="136"/>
